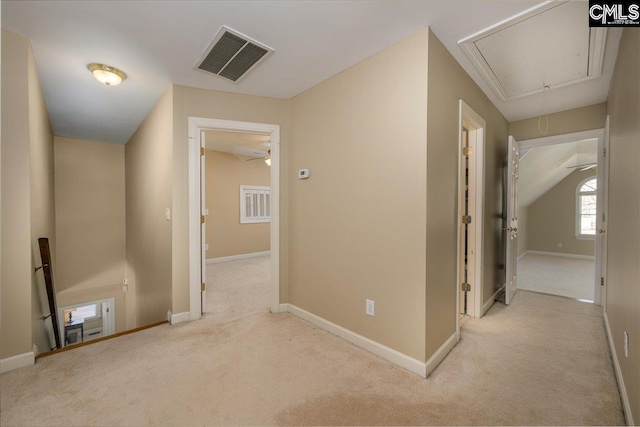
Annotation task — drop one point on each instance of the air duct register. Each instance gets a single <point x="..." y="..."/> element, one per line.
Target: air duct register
<point x="232" y="55"/>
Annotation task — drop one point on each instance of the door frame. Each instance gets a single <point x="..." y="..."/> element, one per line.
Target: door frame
<point x="476" y="126"/>
<point x="600" y="243"/>
<point x="196" y="246"/>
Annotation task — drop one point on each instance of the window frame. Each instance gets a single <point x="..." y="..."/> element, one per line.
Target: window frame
<point x="578" y="214"/>
<point x="254" y="189"/>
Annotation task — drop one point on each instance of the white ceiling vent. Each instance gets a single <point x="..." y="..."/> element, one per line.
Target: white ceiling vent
<point x="232" y="55"/>
<point x="549" y="45"/>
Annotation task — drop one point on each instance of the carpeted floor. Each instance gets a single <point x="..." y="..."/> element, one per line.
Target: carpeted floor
<point x="568" y="277"/>
<point x="543" y="360"/>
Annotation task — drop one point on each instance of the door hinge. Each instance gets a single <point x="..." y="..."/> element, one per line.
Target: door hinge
<point x="202" y="151"/>
<point x="466" y="219"/>
<point x="604" y="218"/>
<point x="604" y="154"/>
<point x="201" y="219"/>
<point x="465" y="287"/>
<point x="602" y="281"/>
<point x="467" y="151"/>
<point x="203" y="287"/>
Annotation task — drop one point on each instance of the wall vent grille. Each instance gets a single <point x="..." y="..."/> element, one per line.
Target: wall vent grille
<point x="232" y="55"/>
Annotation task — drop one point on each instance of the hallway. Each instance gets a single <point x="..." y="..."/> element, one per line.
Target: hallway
<point x="543" y="360"/>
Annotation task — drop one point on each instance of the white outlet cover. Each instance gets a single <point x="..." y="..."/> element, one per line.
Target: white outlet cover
<point x="370" y="307"/>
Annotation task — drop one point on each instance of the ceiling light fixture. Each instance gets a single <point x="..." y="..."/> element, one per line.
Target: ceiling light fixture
<point x="106" y="74"/>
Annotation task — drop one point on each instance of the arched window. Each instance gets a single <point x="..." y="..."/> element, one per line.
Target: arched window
<point x="586" y="208"/>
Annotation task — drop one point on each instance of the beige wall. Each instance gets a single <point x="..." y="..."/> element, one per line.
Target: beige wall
<point x="552" y="219"/>
<point x="227" y="106"/>
<point x="358" y="223"/>
<point x="16" y="211"/>
<point x="148" y="177"/>
<point x="569" y="121"/>
<point x="448" y="83"/>
<point x="623" y="281"/>
<point x="523" y="229"/>
<point x="224" y="174"/>
<point x="42" y="202"/>
<point x="90" y="221"/>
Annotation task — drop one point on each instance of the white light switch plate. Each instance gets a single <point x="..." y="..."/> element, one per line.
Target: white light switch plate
<point x="370" y="308"/>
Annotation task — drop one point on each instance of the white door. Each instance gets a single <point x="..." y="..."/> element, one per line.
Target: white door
<point x="513" y="162"/>
<point x="602" y="214"/>
<point x="203" y="235"/>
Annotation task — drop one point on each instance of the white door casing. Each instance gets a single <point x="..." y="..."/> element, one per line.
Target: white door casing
<point x="203" y="225"/>
<point x="511" y="229"/>
<point x="196" y="248"/>
<point x="475" y="138"/>
<point x="602" y="203"/>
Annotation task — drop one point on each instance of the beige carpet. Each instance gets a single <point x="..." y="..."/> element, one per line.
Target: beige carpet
<point x="568" y="277"/>
<point x="544" y="360"/>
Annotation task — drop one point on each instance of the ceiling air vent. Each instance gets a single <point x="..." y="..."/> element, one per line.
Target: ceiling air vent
<point x="232" y="55"/>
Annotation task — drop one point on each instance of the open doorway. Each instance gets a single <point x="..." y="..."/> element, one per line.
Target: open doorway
<point x="198" y="127"/>
<point x="237" y="206"/>
<point x="470" y="213"/>
<point x="561" y="211"/>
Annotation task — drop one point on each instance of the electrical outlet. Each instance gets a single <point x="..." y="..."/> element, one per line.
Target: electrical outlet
<point x="370" y="307"/>
<point x="626" y="344"/>
<point x="559" y="245"/>
<point x="167" y="214"/>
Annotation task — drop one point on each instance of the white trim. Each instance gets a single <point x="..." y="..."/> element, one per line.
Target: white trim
<point x="487" y="305"/>
<point x="16" y="362"/>
<point x="561" y="254"/>
<point x="389" y="354"/>
<point x="616" y="365"/>
<point x="441" y="353"/>
<point x="522" y="255"/>
<point x="467" y="114"/>
<point x="178" y="317"/>
<point x="236" y="257"/>
<point x="196" y="248"/>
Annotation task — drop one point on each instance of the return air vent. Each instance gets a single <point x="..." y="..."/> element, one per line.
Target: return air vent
<point x="232" y="55"/>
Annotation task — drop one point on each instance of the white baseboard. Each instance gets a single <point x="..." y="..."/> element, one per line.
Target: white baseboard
<point x="389" y="354"/>
<point x="616" y="365"/>
<point x="236" y="257"/>
<point x="522" y="255"/>
<point x="441" y="353"/>
<point x="16" y="362"/>
<point x="561" y="254"/>
<point x="487" y="305"/>
<point x="178" y="317"/>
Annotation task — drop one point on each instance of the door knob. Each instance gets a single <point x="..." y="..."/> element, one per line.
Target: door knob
<point x="602" y="231"/>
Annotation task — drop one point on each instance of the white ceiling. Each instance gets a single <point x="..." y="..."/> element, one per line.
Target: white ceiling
<point x="158" y="42"/>
<point x="241" y="144"/>
<point x="541" y="168"/>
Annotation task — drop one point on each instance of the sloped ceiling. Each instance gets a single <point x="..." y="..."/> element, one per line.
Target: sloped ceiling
<point x="541" y="168"/>
<point x="241" y="144"/>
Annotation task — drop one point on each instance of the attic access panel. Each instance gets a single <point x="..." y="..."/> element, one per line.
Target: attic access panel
<point x="549" y="45"/>
<point x="232" y="55"/>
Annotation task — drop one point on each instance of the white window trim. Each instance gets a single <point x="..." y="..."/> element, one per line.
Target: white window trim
<point x="578" y="216"/>
<point x="253" y="220"/>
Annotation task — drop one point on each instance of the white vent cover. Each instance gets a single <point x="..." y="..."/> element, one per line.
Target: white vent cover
<point x="232" y="55"/>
